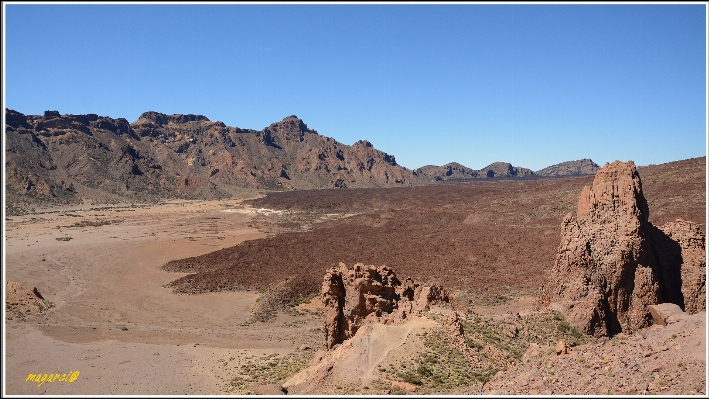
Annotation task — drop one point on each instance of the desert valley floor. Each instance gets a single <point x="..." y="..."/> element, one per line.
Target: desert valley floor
<point x="117" y="323"/>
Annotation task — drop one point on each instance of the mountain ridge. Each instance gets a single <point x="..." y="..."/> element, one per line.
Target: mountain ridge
<point x="64" y="158"/>
<point x="454" y="170"/>
<point x="72" y="158"/>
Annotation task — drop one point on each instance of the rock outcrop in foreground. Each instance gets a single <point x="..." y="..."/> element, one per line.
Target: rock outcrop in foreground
<point x="355" y="295"/>
<point x="612" y="263"/>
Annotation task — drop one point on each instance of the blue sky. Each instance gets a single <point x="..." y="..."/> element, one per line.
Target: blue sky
<point x="533" y="85"/>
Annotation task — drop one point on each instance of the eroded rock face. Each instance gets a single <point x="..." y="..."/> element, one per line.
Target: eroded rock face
<point x="612" y="263"/>
<point x="681" y="249"/>
<point x="355" y="295"/>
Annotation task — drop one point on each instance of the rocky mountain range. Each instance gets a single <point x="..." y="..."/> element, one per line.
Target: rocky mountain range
<point x="454" y="170"/>
<point x="69" y="158"/>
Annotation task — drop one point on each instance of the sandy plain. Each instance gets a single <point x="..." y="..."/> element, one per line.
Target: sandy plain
<point x="113" y="320"/>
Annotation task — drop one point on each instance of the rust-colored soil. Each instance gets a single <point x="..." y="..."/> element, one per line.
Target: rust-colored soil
<point x="489" y="237"/>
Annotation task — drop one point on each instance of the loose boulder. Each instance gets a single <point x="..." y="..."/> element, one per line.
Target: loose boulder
<point x="666" y="313"/>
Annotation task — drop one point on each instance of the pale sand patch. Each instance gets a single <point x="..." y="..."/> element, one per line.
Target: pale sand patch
<point x="114" y="322"/>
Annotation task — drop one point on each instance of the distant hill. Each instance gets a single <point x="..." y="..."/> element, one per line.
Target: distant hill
<point x="454" y="170"/>
<point x="571" y="168"/>
<point x="69" y="158"/>
<point x="504" y="169"/>
<point x="449" y="171"/>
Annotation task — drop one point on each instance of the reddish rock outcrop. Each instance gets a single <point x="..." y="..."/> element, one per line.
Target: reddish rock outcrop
<point x="355" y="295"/>
<point x="612" y="263"/>
<point x="666" y="313"/>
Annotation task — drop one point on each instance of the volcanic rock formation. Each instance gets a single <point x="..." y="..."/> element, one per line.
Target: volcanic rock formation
<point x="612" y="263"/>
<point x="353" y="296"/>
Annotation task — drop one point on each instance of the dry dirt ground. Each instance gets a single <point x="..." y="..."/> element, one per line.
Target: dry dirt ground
<point x="126" y="333"/>
<point x="114" y="322"/>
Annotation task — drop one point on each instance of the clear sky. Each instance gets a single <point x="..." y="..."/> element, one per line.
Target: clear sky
<point x="533" y="85"/>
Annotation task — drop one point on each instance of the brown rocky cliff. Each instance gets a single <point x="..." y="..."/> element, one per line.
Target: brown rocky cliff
<point x="290" y="128"/>
<point x="608" y="268"/>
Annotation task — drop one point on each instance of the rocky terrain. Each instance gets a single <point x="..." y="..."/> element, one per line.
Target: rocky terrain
<point x="504" y="169"/>
<point x="470" y="236"/>
<point x="448" y="171"/>
<point x="590" y="290"/>
<point x="360" y="294"/>
<point x="58" y="158"/>
<point x="456" y="171"/>
<point x="659" y="360"/>
<point x="257" y="325"/>
<point x="391" y="335"/>
<point x="563" y="339"/>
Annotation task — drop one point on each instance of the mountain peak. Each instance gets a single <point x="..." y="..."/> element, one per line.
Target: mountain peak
<point x="290" y="128"/>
